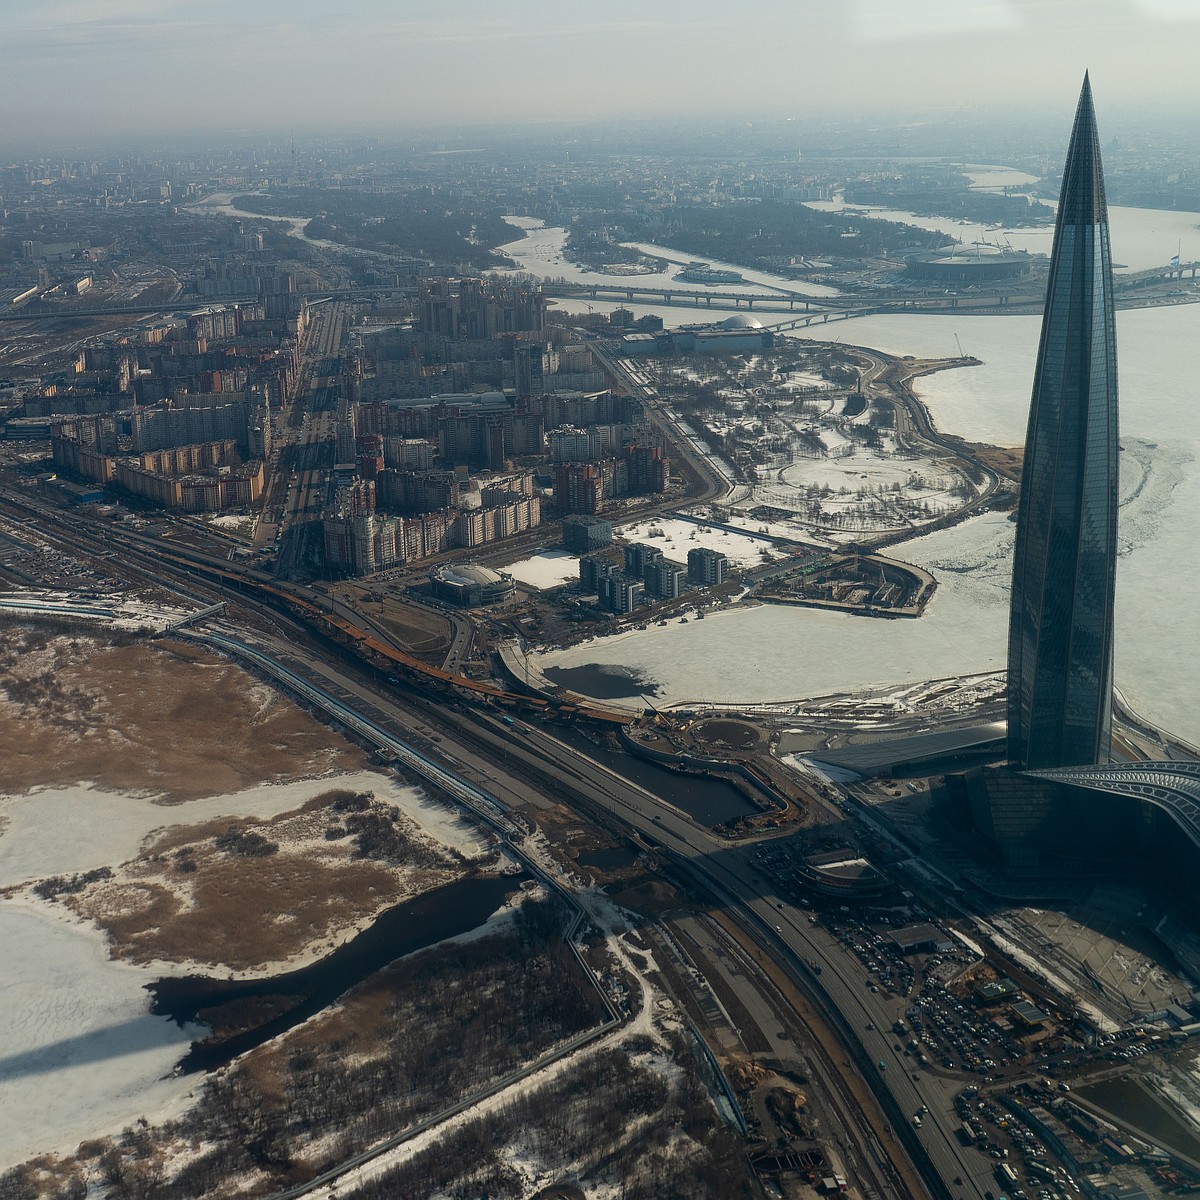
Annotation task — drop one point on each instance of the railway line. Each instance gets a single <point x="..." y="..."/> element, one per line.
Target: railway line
<point x="479" y="763"/>
<point x="248" y="584"/>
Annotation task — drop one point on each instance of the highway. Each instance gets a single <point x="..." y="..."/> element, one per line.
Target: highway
<point x="482" y="765"/>
<point x="483" y="807"/>
<point x="306" y="457"/>
<point x="477" y="760"/>
<point x="842" y="987"/>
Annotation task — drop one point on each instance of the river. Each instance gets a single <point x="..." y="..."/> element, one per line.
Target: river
<point x="540" y="252"/>
<point x="220" y="204"/>
<point x="294" y="996"/>
<point x="1141" y="237"/>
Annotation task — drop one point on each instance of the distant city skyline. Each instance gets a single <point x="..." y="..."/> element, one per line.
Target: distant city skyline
<point x="73" y="70"/>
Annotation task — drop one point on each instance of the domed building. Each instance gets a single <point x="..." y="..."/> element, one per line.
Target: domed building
<point x="732" y="335"/>
<point x="967" y="265"/>
<point x="469" y="585"/>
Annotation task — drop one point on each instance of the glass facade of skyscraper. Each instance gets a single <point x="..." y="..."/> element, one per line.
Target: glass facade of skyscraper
<point x="1060" y="650"/>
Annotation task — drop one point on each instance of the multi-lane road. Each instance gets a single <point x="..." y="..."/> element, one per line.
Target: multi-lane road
<point x="478" y="748"/>
<point x="473" y="746"/>
<point x="483" y="752"/>
<point x="304" y="455"/>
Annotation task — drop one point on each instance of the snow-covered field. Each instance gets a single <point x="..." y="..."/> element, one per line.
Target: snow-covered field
<point x="675" y="537"/>
<point x="59" y="831"/>
<point x="1141" y="237"/>
<point x="550" y="569"/>
<point x="1158" y="569"/>
<point x="653" y="1011"/>
<point x="540" y="252"/>
<point x="772" y="653"/>
<point x="239" y="524"/>
<point x="80" y="1054"/>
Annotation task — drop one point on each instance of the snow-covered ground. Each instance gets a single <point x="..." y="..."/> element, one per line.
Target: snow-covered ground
<point x="239" y="524"/>
<point x="80" y="1054"/>
<point x="540" y="252"/>
<point x="652" y="1013"/>
<point x="1158" y="568"/>
<point x="60" y="831"/>
<point x="1141" y="237"/>
<point x="675" y="537"/>
<point x="549" y="569"/>
<point x="121" y="612"/>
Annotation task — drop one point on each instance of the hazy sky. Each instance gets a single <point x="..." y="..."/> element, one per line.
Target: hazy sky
<point x="88" y="67"/>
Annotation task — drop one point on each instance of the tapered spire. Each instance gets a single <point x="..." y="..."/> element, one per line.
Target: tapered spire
<point x="1060" y="649"/>
<point x="1081" y="201"/>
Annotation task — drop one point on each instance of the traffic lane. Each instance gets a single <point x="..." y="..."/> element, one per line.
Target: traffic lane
<point x="849" y="990"/>
<point x="660" y="823"/>
<point x="851" y="998"/>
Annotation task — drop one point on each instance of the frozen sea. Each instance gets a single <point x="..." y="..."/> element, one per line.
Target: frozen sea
<point x="80" y="1053"/>
<point x="791" y="653"/>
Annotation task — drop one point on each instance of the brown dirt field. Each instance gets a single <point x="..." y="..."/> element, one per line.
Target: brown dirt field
<point x="161" y="717"/>
<point x="417" y="629"/>
<point x="243" y="914"/>
<point x="185" y="898"/>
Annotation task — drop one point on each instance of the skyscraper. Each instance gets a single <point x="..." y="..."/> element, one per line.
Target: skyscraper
<point x="1060" y="647"/>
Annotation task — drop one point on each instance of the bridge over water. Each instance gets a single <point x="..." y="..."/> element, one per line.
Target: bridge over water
<point x="632" y="293"/>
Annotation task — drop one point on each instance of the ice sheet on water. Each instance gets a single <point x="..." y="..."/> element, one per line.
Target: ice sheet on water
<point x="1151" y="473"/>
<point x="80" y="1053"/>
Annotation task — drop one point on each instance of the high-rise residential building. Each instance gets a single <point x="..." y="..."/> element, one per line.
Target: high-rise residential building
<point x="1060" y="649"/>
<point x="533" y="362"/>
<point x="584" y="535"/>
<point x="664" y="579"/>
<point x="578" y="487"/>
<point x="619" y="592"/>
<point x="592" y="569"/>
<point x="707" y="567"/>
<point x="639" y="556"/>
<point x="649" y="469"/>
